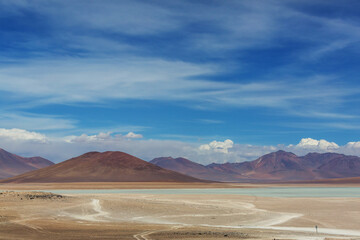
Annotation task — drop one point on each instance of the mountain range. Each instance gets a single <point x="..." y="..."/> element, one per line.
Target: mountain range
<point x="272" y="167"/>
<point x="102" y="167"/>
<point x="110" y="166"/>
<point x="12" y="165"/>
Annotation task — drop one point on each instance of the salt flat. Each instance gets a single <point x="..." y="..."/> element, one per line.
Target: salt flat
<point x="176" y="216"/>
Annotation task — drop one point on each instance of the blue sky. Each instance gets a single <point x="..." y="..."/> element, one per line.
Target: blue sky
<point x="259" y="73"/>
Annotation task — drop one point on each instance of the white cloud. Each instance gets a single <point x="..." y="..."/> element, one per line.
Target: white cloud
<point x="26" y="143"/>
<point x="21" y="135"/>
<point x="221" y="147"/>
<point x="205" y="147"/>
<point x="354" y="145"/>
<point x="89" y="138"/>
<point x="101" y="137"/>
<point x="59" y="149"/>
<point x="319" y="145"/>
<point x="133" y="135"/>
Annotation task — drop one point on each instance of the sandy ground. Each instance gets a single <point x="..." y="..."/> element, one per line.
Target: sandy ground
<point x="28" y="215"/>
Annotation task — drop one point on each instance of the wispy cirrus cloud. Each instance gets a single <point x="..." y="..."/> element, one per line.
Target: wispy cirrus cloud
<point x="31" y="121"/>
<point x="211" y="121"/>
<point x="218" y="56"/>
<point x="222" y="26"/>
<point x="77" y="81"/>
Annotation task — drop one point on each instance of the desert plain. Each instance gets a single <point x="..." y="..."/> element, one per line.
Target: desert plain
<point x="26" y="214"/>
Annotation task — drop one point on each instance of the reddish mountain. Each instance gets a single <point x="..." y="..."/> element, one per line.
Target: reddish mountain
<point x="103" y="167"/>
<point x="11" y="164"/>
<point x="276" y="166"/>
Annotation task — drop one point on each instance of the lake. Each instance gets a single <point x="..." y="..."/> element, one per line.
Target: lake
<point x="286" y="192"/>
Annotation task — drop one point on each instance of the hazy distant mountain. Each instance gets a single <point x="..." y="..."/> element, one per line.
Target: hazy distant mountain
<point x="11" y="164"/>
<point x="185" y="166"/>
<point x="181" y="164"/>
<point x="276" y="166"/>
<point x="103" y="167"/>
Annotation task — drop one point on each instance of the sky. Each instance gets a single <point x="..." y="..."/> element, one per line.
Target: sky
<point x="213" y="81"/>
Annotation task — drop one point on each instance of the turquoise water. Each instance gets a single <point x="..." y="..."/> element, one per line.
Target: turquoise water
<point x="286" y="192"/>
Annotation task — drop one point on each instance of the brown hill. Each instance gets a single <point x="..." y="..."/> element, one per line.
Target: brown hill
<point x="11" y="164"/>
<point x="103" y="167"/>
<point x="272" y="167"/>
